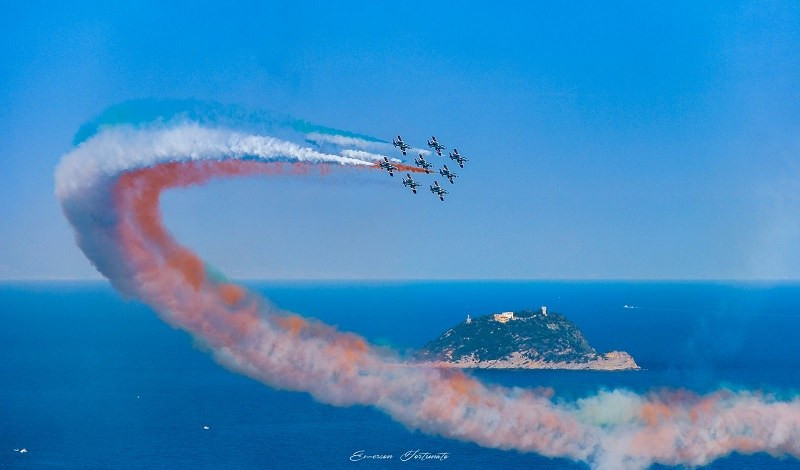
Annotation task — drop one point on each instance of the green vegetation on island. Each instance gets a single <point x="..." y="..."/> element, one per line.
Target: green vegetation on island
<point x="522" y="339"/>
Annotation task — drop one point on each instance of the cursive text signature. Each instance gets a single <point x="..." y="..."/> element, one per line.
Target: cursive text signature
<point x="409" y="456"/>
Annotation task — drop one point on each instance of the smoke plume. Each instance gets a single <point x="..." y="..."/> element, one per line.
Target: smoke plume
<point x="109" y="187"/>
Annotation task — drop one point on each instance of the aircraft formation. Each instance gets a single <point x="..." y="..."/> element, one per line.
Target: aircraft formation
<point x="425" y="165"/>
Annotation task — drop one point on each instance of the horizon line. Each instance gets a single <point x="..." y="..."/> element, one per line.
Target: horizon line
<point x="403" y="279"/>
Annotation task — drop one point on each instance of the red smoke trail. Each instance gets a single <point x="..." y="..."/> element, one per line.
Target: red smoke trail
<point x="285" y="350"/>
<point x="138" y="192"/>
<point x="173" y="280"/>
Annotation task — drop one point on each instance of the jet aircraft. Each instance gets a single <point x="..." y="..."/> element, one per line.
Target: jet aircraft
<point x="398" y="142"/>
<point x="438" y="190"/>
<point x="447" y="173"/>
<point x="435" y="145"/>
<point x="409" y="182"/>
<point x="388" y="166"/>
<point x="454" y="155"/>
<point x="420" y="162"/>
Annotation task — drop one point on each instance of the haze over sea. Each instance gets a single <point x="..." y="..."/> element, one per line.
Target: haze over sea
<point x="94" y="381"/>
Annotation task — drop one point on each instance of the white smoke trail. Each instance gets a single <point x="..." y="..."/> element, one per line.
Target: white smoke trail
<point x="346" y="141"/>
<point x="362" y="155"/>
<point x="123" y="148"/>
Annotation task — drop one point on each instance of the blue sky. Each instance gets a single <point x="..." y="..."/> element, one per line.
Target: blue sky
<point x="635" y="140"/>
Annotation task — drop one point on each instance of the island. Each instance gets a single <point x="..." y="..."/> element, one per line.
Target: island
<point x="526" y="339"/>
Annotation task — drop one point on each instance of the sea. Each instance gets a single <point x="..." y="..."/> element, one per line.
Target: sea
<point x="90" y="380"/>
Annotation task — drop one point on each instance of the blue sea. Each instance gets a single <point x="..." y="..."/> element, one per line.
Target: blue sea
<point x="92" y="381"/>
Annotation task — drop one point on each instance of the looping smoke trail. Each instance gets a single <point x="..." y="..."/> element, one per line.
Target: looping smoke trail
<point x="109" y="187"/>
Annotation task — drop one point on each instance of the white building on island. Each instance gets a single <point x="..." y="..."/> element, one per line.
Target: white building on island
<point x="503" y="317"/>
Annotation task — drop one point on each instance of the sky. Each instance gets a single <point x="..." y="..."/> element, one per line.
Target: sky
<point x="607" y="140"/>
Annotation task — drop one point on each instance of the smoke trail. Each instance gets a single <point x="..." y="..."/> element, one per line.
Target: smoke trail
<point x="342" y="141"/>
<point x="109" y="187"/>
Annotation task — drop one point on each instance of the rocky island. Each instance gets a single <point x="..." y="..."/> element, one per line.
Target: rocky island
<point x="527" y="339"/>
